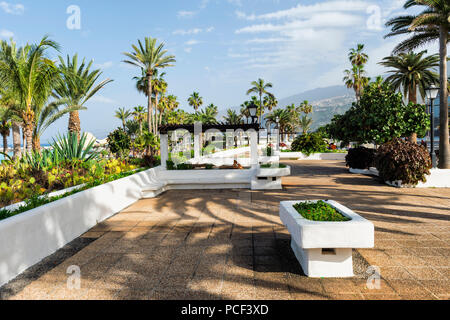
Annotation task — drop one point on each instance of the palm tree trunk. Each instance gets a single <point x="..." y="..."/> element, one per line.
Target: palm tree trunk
<point x="28" y="133"/>
<point x="444" y="145"/>
<point x="5" y="142"/>
<point x="413" y="99"/>
<point x="150" y="105"/>
<point x="74" y="123"/>
<point x="155" y="119"/>
<point x="16" y="141"/>
<point x="36" y="144"/>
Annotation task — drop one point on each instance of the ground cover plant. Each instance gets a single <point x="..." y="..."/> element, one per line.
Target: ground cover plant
<point x="319" y="211"/>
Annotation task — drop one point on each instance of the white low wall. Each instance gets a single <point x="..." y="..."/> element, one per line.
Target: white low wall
<point x="316" y="156"/>
<point x="27" y="238"/>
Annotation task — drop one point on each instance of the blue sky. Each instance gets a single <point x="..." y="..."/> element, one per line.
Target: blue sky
<point x="220" y="45"/>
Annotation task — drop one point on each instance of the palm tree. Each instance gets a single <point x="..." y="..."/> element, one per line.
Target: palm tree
<point x="260" y="87"/>
<point x="77" y="85"/>
<point x="411" y="71"/>
<point x="159" y="89"/>
<point x="429" y="26"/>
<point x="139" y="116"/>
<point x="233" y="118"/>
<point x="5" y="126"/>
<point x="32" y="75"/>
<point x="149" y="57"/>
<point x="123" y="115"/>
<point x="46" y="116"/>
<point x="195" y="101"/>
<point x="305" y="124"/>
<point x="284" y="120"/>
<point x="356" y="79"/>
<point x="306" y="107"/>
<point x="357" y="56"/>
<point x="270" y="102"/>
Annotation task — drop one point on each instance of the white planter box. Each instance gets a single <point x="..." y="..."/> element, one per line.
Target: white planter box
<point x="316" y="156"/>
<point x="438" y="178"/>
<point x="273" y="172"/>
<point x="368" y="172"/>
<point x="324" y="249"/>
<point x="27" y="238"/>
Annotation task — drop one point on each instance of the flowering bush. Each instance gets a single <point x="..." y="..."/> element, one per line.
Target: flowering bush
<point x="20" y="180"/>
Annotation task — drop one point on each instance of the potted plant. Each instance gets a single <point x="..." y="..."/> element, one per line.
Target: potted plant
<point x="324" y="233"/>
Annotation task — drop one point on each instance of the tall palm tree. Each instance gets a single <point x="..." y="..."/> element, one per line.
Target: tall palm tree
<point x="149" y="57"/>
<point x="77" y="85"/>
<point x="429" y="26"/>
<point x="412" y="71"/>
<point x="270" y="102"/>
<point x="123" y="116"/>
<point x="32" y="75"/>
<point x="139" y="116"/>
<point x="260" y="87"/>
<point x="195" y="101"/>
<point x="356" y="79"/>
<point x="159" y="89"/>
<point x="357" y="56"/>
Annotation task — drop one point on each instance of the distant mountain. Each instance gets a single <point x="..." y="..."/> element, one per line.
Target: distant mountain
<point x="316" y="95"/>
<point x="327" y="102"/>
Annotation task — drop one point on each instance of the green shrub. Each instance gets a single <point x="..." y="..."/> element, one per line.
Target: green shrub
<point x="360" y="158"/>
<point x="403" y="161"/>
<point x="119" y="142"/>
<point x="309" y="143"/>
<point x="319" y="211"/>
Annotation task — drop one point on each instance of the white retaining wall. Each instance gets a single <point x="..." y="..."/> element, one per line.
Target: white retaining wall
<point x="27" y="238"/>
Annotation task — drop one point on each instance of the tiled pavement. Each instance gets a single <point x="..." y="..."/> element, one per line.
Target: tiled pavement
<point x="231" y="244"/>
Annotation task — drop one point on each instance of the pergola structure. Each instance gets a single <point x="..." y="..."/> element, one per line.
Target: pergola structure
<point x="198" y="128"/>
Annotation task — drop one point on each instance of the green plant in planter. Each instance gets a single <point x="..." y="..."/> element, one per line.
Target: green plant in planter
<point x="119" y="142"/>
<point x="360" y="158"/>
<point x="319" y="211"/>
<point x="309" y="143"/>
<point x="403" y="161"/>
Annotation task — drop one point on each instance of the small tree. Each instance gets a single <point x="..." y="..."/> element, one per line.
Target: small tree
<point x="379" y="117"/>
<point x="119" y="143"/>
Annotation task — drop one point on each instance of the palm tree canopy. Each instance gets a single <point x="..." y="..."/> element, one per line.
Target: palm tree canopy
<point x="233" y="118"/>
<point x="423" y="27"/>
<point x="195" y="100"/>
<point x="412" y="70"/>
<point x="260" y="87"/>
<point x="78" y="82"/>
<point x="149" y="56"/>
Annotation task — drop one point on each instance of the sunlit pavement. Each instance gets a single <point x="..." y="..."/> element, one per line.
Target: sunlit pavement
<point x="231" y="244"/>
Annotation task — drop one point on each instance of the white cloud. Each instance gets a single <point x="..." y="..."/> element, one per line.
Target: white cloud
<point x="103" y="99"/>
<point x="235" y="2"/>
<point x="184" y="32"/>
<point x="192" y="42"/>
<point x="186" y="14"/>
<point x="105" y="65"/>
<point x="12" y="8"/>
<point x="6" y="34"/>
<point x="188" y="50"/>
<point x="319" y="20"/>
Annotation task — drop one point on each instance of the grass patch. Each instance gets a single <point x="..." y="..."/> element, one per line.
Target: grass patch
<point x="319" y="211"/>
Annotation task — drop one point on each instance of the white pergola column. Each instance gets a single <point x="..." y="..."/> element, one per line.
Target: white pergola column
<point x="197" y="140"/>
<point x="254" y="156"/>
<point x="164" y="146"/>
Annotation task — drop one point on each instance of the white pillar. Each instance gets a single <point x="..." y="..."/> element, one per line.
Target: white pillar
<point x="164" y="150"/>
<point x="254" y="148"/>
